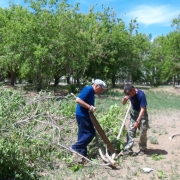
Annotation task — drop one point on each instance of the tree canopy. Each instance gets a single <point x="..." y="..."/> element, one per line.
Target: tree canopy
<point x="52" y="38"/>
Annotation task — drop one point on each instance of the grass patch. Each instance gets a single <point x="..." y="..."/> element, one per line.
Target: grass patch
<point x="162" y="100"/>
<point x="157" y="157"/>
<point x="153" y="140"/>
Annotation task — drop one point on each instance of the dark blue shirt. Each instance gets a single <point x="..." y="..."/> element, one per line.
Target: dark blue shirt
<point x="138" y="100"/>
<point x="87" y="95"/>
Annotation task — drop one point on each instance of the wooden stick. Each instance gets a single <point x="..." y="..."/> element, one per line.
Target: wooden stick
<point x="124" y="121"/>
<point x="102" y="133"/>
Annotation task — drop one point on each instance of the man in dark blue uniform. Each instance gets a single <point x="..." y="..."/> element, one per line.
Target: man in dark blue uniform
<point x="139" y="119"/>
<point x="85" y="103"/>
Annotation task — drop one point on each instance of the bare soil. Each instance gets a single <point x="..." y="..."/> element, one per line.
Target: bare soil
<point x="162" y="126"/>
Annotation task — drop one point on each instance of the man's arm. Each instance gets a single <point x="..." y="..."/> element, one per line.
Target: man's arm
<point x="83" y="103"/>
<point x="125" y="99"/>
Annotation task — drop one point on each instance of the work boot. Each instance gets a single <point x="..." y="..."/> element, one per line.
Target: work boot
<point x="127" y="153"/>
<point x="140" y="153"/>
<point x="83" y="161"/>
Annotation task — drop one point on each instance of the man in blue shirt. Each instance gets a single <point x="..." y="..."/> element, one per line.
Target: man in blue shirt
<point x="85" y="103"/>
<point x="139" y="119"/>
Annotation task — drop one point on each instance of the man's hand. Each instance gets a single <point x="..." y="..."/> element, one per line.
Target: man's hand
<point x="125" y="99"/>
<point x="92" y="109"/>
<point x="136" y="125"/>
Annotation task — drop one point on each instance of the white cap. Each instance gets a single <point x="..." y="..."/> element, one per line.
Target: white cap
<point x="100" y="83"/>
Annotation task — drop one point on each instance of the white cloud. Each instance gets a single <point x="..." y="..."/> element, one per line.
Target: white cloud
<point x="149" y="15"/>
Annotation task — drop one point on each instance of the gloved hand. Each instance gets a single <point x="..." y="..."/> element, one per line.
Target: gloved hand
<point x="92" y="109"/>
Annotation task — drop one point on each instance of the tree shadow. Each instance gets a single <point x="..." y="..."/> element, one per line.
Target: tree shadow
<point x="150" y="152"/>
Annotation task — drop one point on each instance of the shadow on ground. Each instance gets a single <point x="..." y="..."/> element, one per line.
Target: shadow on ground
<point x="156" y="151"/>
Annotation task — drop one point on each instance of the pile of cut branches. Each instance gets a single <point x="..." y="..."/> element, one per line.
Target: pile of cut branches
<point x="37" y="132"/>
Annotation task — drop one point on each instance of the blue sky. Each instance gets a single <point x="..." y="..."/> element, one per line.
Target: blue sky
<point x="153" y="16"/>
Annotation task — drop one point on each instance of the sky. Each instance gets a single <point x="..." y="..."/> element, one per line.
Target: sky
<point x="153" y="16"/>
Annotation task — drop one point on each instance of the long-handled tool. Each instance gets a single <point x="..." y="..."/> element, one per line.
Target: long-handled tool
<point x="102" y="133"/>
<point x="122" y="126"/>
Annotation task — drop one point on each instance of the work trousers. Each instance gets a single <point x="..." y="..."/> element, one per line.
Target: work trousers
<point x="143" y="127"/>
<point x="86" y="133"/>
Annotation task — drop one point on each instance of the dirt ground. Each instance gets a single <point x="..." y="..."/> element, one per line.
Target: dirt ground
<point x="167" y="152"/>
<point x="162" y="127"/>
<point x="166" y="164"/>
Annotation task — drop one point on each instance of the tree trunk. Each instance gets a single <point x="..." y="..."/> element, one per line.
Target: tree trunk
<point x="78" y="82"/>
<point x="173" y="81"/>
<point x="113" y="81"/>
<point x="68" y="80"/>
<point x="39" y="82"/>
<point x="56" y="81"/>
<point x="13" y="77"/>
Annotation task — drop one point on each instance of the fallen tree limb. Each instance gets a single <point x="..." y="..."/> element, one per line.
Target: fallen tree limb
<point x="171" y="137"/>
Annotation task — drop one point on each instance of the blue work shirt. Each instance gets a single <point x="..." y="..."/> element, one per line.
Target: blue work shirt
<point x="138" y="100"/>
<point x="87" y="95"/>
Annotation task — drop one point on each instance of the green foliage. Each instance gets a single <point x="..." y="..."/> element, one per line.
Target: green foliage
<point x="161" y="174"/>
<point x="34" y="125"/>
<point x="25" y="144"/>
<point x="111" y="123"/>
<point x="73" y="88"/>
<point x="10" y="102"/>
<point x="67" y="108"/>
<point x="157" y="157"/>
<point x="61" y="41"/>
<point x="14" y="157"/>
<point x="77" y="167"/>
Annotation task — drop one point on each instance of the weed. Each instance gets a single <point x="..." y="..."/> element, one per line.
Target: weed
<point x="76" y="167"/>
<point x="161" y="174"/>
<point x="153" y="130"/>
<point x="173" y="126"/>
<point x="157" y="157"/>
<point x="153" y="140"/>
<point x="162" y="131"/>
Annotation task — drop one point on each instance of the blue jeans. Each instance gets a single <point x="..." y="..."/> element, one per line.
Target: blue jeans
<point x="86" y="133"/>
